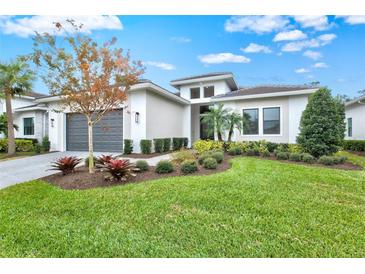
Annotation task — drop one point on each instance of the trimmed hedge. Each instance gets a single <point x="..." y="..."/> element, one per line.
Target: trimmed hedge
<point x="179" y="142"/>
<point x="46" y="144"/>
<point x="158" y="144"/>
<point x="164" y="166"/>
<point x="166" y="144"/>
<point x="20" y="145"/>
<point x="142" y="165"/>
<point x="128" y="146"/>
<point x="354" y="145"/>
<point x="189" y="166"/>
<point x="210" y="163"/>
<point x="146" y="146"/>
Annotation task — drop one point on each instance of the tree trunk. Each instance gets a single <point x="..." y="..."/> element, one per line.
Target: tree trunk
<point x="219" y="136"/>
<point x="9" y="114"/>
<point x="230" y="135"/>
<point x="91" y="147"/>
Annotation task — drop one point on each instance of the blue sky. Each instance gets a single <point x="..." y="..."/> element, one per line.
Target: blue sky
<point x="257" y="49"/>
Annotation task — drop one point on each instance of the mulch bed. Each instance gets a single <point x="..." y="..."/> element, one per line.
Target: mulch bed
<point x="81" y="179"/>
<point x="360" y="153"/>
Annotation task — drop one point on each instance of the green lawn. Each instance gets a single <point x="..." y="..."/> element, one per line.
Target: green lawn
<point x="259" y="208"/>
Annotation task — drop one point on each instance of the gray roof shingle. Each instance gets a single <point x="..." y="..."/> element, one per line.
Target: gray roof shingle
<point x="201" y="76"/>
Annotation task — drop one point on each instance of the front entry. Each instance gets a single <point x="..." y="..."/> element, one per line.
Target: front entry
<point x="204" y="133"/>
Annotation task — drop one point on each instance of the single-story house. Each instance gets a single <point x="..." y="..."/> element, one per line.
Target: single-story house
<point x="355" y="119"/>
<point x="154" y="112"/>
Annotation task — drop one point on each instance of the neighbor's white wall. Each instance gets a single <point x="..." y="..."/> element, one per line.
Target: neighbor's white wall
<point x="220" y="87"/>
<point x="297" y="105"/>
<point x="357" y="113"/>
<point x="57" y="132"/>
<point x="138" y="103"/>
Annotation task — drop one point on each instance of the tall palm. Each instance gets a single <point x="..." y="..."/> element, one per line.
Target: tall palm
<point x="15" y="79"/>
<point x="216" y="118"/>
<point x="235" y="120"/>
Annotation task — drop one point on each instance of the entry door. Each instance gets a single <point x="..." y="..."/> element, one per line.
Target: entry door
<point x="204" y="134"/>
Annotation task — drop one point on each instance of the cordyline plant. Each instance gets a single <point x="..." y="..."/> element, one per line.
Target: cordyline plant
<point x="90" y="79"/>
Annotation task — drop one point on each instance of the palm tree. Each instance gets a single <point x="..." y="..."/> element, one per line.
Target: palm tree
<point x="235" y="120"/>
<point x="4" y="125"/>
<point x="15" y="79"/>
<point x="216" y="118"/>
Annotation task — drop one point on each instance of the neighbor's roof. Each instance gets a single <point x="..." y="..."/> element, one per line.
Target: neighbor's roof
<point x="33" y="94"/>
<point x="31" y="107"/>
<point x="356" y="100"/>
<point x="202" y="76"/>
<point x="267" y="90"/>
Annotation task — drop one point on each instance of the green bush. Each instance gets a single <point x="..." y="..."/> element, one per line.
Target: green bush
<point x="265" y="153"/>
<point x="232" y="151"/>
<point x="296" y="157"/>
<point x="253" y="152"/>
<point x="188" y="166"/>
<point x="271" y="146"/>
<point x="210" y="163"/>
<point x="164" y="166"/>
<point x="354" y="145"/>
<point x="294" y="148"/>
<point x="24" y="145"/>
<point x="185" y="142"/>
<point x="307" y="158"/>
<point x="326" y="160"/>
<point x="146" y="146"/>
<point x="158" y="145"/>
<point x="322" y="125"/>
<point x="46" y="144"/>
<point x="177" y="143"/>
<point x="219" y="156"/>
<point x="166" y="144"/>
<point x="3" y="145"/>
<point x="142" y="165"/>
<point x="33" y="140"/>
<point x="37" y="148"/>
<point x="128" y="146"/>
<point x="282" y="155"/>
<point x="181" y="156"/>
<point x="339" y="160"/>
<point x="202" y="146"/>
<point x="204" y="156"/>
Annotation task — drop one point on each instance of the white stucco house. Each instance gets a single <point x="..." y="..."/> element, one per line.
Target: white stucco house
<point x="154" y="112"/>
<point x="355" y="119"/>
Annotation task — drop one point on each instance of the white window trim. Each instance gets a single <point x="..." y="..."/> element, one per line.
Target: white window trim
<point x="261" y="121"/>
<point x="200" y="92"/>
<point x="23" y="124"/>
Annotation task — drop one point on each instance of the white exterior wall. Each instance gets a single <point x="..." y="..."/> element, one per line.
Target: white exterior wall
<point x="38" y="124"/>
<point x="57" y="128"/>
<point x="138" y="131"/>
<point x="357" y="113"/>
<point x="297" y="105"/>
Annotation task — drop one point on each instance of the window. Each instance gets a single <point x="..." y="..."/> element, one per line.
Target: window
<point x="271" y="120"/>
<point x="349" y="127"/>
<point x="28" y="126"/>
<point x="253" y="117"/>
<point x="208" y="91"/>
<point x="194" y="93"/>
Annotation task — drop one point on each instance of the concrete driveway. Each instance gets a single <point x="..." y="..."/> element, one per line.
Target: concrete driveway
<point x="30" y="168"/>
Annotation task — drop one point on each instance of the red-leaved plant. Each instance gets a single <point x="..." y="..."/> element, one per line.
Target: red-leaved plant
<point x="119" y="169"/>
<point x="65" y="164"/>
<point x="104" y="159"/>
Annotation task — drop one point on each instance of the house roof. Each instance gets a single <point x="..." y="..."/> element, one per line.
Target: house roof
<point x="33" y="94"/>
<point x="356" y="100"/>
<point x="31" y="107"/>
<point x="202" y="76"/>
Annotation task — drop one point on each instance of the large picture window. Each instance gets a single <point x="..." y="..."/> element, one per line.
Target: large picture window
<point x="253" y="117"/>
<point x="271" y="120"/>
<point x="28" y="126"/>
<point x="194" y="93"/>
<point x="349" y="127"/>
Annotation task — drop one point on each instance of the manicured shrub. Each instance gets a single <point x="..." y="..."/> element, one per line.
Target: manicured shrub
<point x="296" y="157"/>
<point x="326" y="160"/>
<point x="253" y="152"/>
<point x="158" y="145"/>
<point x="322" y="124"/>
<point x="339" y="160"/>
<point x="307" y="158"/>
<point x="142" y="165"/>
<point x="128" y="146"/>
<point x="24" y="145"/>
<point x="185" y="142"/>
<point x="37" y="148"/>
<point x="166" y="144"/>
<point x="202" y="146"/>
<point x="282" y="155"/>
<point x="238" y="150"/>
<point x="188" y="166"/>
<point x="65" y="164"/>
<point x="265" y="153"/>
<point x="204" y="156"/>
<point x="232" y="151"/>
<point x="354" y="145"/>
<point x="164" y="166"/>
<point x="294" y="148"/>
<point x="120" y="169"/>
<point x="219" y="156"/>
<point x="210" y="163"/>
<point x="146" y="146"/>
<point x="181" y="156"/>
<point x="177" y="143"/>
<point x="46" y="144"/>
<point x="271" y="146"/>
<point x="86" y="161"/>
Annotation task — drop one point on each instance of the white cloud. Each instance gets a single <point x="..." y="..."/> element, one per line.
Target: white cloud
<point x="318" y="22"/>
<point x="160" y="65"/>
<point x="26" y="26"/>
<point x="258" y="24"/>
<point x="255" y="48"/>
<point x="291" y="35"/>
<point x="180" y="39"/>
<point x="320" y="41"/>
<point x="320" y="65"/>
<point x="225" y="57"/>
<point x="302" y="70"/>
<point x="315" y="55"/>
<point x="354" y="19"/>
<point x="326" y="38"/>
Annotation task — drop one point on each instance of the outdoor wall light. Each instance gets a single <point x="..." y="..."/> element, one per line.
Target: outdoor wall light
<point x="136" y="117"/>
<point x="52" y="122"/>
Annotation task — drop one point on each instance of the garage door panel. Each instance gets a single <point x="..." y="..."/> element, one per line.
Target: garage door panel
<point x="107" y="133"/>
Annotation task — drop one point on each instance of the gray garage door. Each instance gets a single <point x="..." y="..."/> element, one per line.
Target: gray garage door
<point x="108" y="133"/>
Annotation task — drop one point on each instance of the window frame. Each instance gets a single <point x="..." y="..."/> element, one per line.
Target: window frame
<point x="349" y="129"/>
<point x="258" y="121"/>
<point x="211" y="86"/>
<point x="32" y="127"/>
<point x="263" y="121"/>
<point x="190" y="90"/>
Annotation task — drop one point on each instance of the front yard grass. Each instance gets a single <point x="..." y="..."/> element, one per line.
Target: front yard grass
<point x="258" y="208"/>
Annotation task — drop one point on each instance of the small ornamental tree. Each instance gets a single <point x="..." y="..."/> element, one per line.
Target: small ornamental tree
<point x="90" y="79"/>
<point x="322" y="125"/>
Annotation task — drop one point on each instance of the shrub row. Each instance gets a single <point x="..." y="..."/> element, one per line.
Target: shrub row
<point x="309" y="159"/>
<point x="354" y="145"/>
<point x="20" y="145"/>
<point x="162" y="144"/>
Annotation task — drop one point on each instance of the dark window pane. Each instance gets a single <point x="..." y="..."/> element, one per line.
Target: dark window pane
<point x="253" y="117"/>
<point x="209" y="91"/>
<point x="28" y="126"/>
<point x="271" y="120"/>
<point x="349" y="127"/>
<point x="194" y="93"/>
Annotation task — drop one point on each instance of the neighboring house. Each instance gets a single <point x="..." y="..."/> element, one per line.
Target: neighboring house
<point x="355" y="119"/>
<point x="154" y="112"/>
